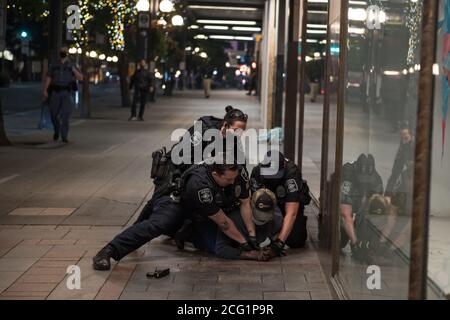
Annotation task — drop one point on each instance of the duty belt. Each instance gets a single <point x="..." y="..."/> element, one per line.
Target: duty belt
<point x="60" y="88"/>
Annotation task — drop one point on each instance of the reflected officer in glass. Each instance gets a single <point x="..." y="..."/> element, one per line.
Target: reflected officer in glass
<point x="59" y="85"/>
<point x="403" y="158"/>
<point x="360" y="181"/>
<point x="292" y="194"/>
<point x="398" y="195"/>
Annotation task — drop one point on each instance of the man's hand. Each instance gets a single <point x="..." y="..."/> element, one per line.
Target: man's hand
<point x="268" y="253"/>
<point x="250" y="255"/>
<point x="258" y="255"/>
<point x="277" y="246"/>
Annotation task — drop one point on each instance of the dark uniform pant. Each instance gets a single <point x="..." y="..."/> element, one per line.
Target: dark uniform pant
<point x="61" y="106"/>
<point x="141" y="97"/>
<point x="166" y="218"/>
<point x="299" y="233"/>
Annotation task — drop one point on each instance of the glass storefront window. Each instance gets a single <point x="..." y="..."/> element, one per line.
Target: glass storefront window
<point x="378" y="148"/>
<point x="439" y="224"/>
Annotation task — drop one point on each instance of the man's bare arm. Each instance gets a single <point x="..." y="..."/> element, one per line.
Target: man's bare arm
<point x="78" y="74"/>
<point x="291" y="209"/>
<point x="227" y="226"/>
<point x="47" y="82"/>
<point x="246" y="214"/>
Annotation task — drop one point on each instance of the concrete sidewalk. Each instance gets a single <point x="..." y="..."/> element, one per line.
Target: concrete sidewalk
<point x="59" y="204"/>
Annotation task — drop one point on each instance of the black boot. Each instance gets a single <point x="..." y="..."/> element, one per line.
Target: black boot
<point x="101" y="261"/>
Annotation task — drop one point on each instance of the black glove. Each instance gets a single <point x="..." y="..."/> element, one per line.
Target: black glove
<point x="277" y="246"/>
<point x="245" y="247"/>
<point x="253" y="242"/>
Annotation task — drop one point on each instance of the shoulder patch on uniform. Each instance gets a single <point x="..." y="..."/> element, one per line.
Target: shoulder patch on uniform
<point x="237" y="191"/>
<point x="291" y="185"/>
<point x="254" y="184"/>
<point x="196" y="138"/>
<point x="205" y="196"/>
<point x="244" y="174"/>
<point x="346" y="188"/>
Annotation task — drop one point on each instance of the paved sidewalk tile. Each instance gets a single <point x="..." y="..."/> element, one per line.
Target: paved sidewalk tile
<point x="7" y="278"/>
<point x="115" y="284"/>
<point x="16" y="264"/>
<point x="28" y="251"/>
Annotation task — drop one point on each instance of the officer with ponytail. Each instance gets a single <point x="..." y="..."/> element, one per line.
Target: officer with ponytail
<point x="167" y="176"/>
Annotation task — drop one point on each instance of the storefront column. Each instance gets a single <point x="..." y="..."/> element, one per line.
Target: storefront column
<point x="268" y="63"/>
<point x="422" y="169"/>
<point x="290" y="116"/>
<point x="335" y="205"/>
<point x="325" y="127"/>
<point x="277" y="111"/>
<point x="301" y="84"/>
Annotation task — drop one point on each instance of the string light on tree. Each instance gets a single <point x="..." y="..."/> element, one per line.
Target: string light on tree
<point x="122" y="12"/>
<point x="81" y="37"/>
<point x="413" y="12"/>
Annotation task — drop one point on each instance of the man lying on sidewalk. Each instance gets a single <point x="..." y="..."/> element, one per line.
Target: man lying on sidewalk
<point x="268" y="221"/>
<point x="283" y="178"/>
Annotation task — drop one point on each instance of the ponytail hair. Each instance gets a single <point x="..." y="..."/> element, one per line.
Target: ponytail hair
<point x="232" y="115"/>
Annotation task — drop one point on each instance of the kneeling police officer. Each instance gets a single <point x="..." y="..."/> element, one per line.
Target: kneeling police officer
<point x="216" y="197"/>
<point x="165" y="173"/>
<point x="284" y="179"/>
<point x="209" y="190"/>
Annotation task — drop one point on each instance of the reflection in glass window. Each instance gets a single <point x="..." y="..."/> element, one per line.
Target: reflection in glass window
<point x="439" y="233"/>
<point x="378" y="163"/>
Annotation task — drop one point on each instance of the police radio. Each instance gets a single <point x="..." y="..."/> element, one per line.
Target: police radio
<point x="175" y="195"/>
<point x="160" y="164"/>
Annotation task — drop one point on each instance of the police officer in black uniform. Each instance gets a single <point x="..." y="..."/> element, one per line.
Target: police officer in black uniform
<point x="58" y="88"/>
<point x="284" y="179"/>
<point x="213" y="194"/>
<point x="403" y="159"/>
<point x="208" y="191"/>
<point x="360" y="181"/>
<point x="166" y="174"/>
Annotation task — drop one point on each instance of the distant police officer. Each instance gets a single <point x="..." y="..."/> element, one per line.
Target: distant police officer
<point x="284" y="179"/>
<point x="166" y="173"/>
<point x="208" y="191"/>
<point x="360" y="181"/>
<point x="58" y="88"/>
